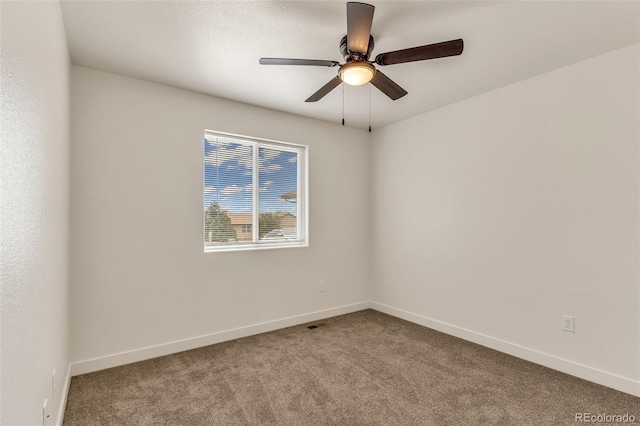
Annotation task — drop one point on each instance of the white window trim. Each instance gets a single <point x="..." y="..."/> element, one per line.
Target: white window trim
<point x="302" y="205"/>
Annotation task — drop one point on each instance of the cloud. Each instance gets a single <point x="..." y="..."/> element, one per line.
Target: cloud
<point x="236" y="207"/>
<point x="269" y="168"/>
<point x="231" y="189"/>
<point x="267" y="183"/>
<point x="209" y="189"/>
<point x="239" y="155"/>
<point x="266" y="155"/>
<point x="215" y="142"/>
<point x="249" y="188"/>
<point x="293" y="159"/>
<point x="269" y="154"/>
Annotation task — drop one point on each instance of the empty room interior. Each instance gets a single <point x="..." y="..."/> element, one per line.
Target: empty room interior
<point x="320" y="212"/>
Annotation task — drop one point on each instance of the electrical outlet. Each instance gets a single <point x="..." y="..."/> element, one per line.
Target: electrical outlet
<point x="322" y="287"/>
<point x="568" y="323"/>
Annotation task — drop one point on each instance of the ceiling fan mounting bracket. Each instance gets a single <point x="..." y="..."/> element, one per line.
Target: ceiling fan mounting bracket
<point x="355" y="56"/>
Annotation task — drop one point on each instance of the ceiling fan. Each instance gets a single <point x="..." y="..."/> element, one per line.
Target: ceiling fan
<point x="356" y="47"/>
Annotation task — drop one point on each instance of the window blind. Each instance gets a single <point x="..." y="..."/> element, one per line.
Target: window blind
<point x="254" y="193"/>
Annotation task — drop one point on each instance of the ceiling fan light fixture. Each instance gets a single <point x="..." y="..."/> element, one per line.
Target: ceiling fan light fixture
<point x="357" y="73"/>
<point x="356" y="48"/>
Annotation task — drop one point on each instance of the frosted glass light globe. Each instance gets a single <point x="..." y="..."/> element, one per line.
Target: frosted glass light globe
<point x="357" y="73"/>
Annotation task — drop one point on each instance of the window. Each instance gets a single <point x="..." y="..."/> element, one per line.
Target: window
<point x="254" y="193"/>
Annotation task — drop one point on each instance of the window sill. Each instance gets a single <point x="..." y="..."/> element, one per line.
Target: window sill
<point x="259" y="246"/>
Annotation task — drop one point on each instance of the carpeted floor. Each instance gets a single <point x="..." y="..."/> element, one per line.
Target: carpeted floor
<point x="365" y="368"/>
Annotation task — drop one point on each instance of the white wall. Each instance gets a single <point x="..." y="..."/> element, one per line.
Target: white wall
<point x="139" y="276"/>
<point x="496" y="215"/>
<point x="517" y="206"/>
<point x="34" y="209"/>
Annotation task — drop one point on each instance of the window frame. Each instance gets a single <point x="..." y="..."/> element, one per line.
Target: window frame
<point x="302" y="187"/>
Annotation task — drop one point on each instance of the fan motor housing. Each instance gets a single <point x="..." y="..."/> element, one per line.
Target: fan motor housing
<point x="350" y="56"/>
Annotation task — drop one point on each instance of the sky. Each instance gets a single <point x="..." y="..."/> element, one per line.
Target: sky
<point x="228" y="177"/>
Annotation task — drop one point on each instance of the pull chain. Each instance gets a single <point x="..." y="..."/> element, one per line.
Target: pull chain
<point x="343" y="104"/>
<point x="369" y="107"/>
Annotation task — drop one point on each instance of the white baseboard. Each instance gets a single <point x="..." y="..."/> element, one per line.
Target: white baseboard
<point x="582" y="371"/>
<point x="63" y="397"/>
<point x="115" y="360"/>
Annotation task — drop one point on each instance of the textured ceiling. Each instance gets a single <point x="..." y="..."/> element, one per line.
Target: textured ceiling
<point x="213" y="47"/>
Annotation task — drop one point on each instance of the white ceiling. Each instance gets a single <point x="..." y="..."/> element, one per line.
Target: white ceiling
<point x="213" y="47"/>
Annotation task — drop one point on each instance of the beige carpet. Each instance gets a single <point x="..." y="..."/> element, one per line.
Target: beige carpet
<point x="365" y="368"/>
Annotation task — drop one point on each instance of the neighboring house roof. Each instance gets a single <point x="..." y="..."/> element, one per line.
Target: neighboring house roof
<point x="247" y="218"/>
<point x="240" y="218"/>
<point x="290" y="196"/>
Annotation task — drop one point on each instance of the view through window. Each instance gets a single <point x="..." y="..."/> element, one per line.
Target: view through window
<point x="254" y="193"/>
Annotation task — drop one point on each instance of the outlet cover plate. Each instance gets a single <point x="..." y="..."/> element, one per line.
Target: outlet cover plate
<point x="569" y="323"/>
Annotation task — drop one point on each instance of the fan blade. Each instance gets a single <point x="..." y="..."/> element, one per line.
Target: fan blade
<point x="359" y="19"/>
<point x="387" y="86"/>
<point x="332" y="84"/>
<point x="285" y="61"/>
<point x="421" y="53"/>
